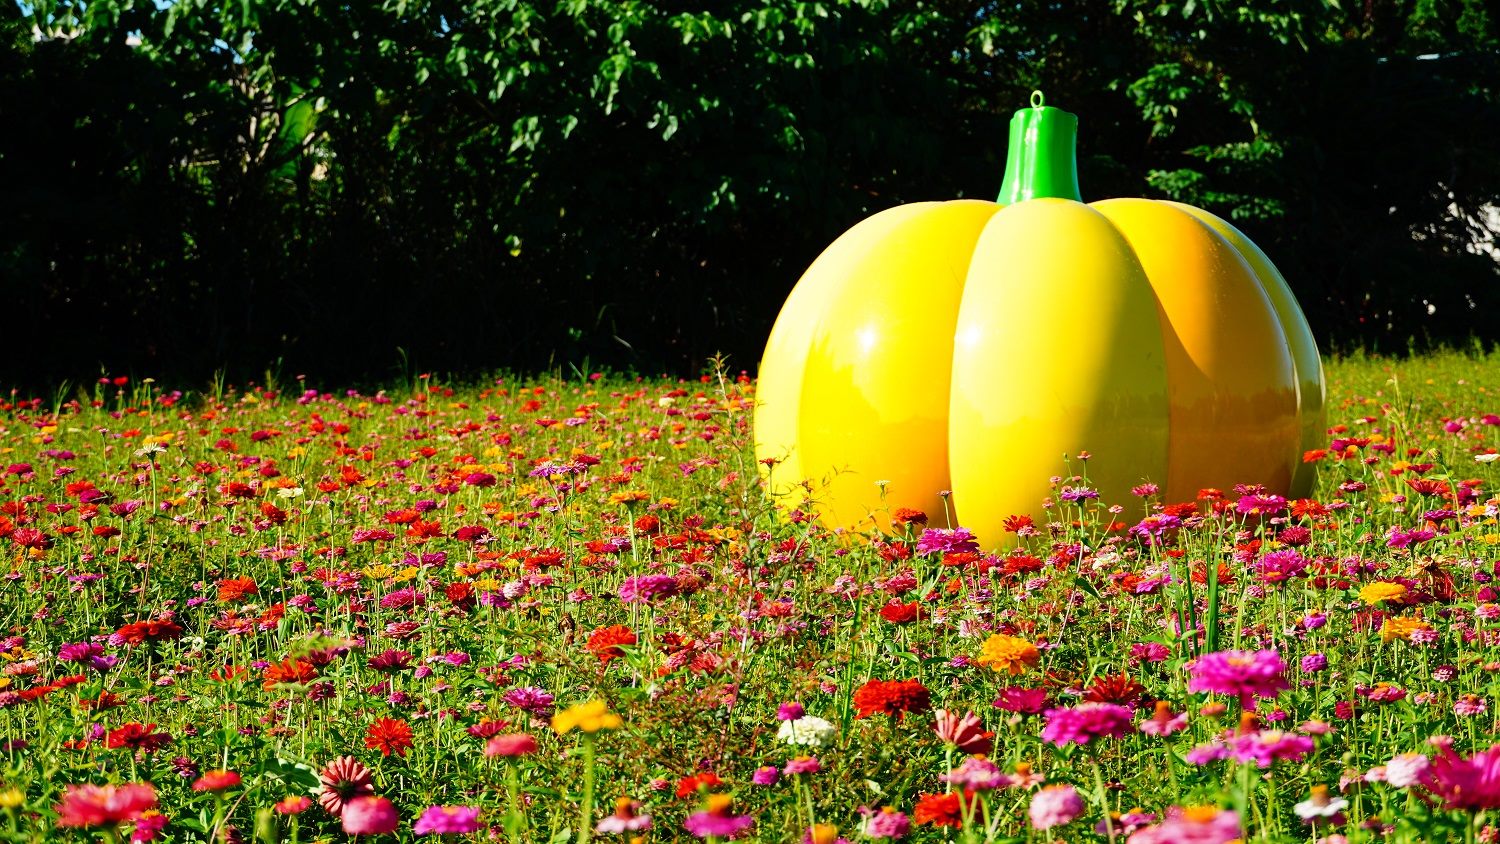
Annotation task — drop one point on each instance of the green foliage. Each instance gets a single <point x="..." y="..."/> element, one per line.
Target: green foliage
<point x="196" y="184"/>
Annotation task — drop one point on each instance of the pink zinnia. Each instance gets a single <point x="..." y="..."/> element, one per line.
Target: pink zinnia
<point x="344" y="779"/>
<point x="370" y="816"/>
<point x="1198" y="825"/>
<point x="966" y="733"/>
<point x="1055" y="805"/>
<point x="940" y="541"/>
<point x="1021" y="700"/>
<point x="1406" y="770"/>
<point x="976" y="774"/>
<point x="803" y="765"/>
<point x="1472" y="783"/>
<point x="706" y="824"/>
<point x="103" y="805"/>
<point x="510" y="745"/>
<point x="1266" y="746"/>
<point x="1247" y="674"/>
<point x="644" y="588"/>
<point x="447" y="820"/>
<point x="888" y="823"/>
<point x="1149" y="652"/>
<point x="1163" y="722"/>
<point x="1087" y="721"/>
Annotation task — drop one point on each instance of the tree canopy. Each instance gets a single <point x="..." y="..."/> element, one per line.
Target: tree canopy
<point x="639" y="183"/>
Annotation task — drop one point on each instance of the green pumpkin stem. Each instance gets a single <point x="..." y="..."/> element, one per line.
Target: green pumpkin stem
<point x="1042" y="159"/>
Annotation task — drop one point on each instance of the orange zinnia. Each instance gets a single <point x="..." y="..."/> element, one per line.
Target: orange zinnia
<point x="1008" y="654"/>
<point x="290" y="670"/>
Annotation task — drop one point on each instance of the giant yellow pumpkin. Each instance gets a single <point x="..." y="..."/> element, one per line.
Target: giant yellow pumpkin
<point x="979" y="347"/>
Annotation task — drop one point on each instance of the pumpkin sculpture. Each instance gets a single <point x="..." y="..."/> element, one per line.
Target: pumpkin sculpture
<point x="972" y="347"/>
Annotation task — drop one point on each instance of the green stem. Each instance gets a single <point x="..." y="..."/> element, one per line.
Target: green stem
<point x="1109" y="822"/>
<point x="1041" y="160"/>
<point x="586" y="811"/>
<point x="515" y="820"/>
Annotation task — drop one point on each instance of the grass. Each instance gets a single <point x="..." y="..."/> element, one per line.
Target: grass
<point x="261" y="583"/>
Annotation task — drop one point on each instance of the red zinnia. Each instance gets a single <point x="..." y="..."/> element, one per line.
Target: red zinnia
<point x="235" y="589"/>
<point x="1119" y="688"/>
<point x="908" y="516"/>
<point x="389" y="735"/>
<point x="689" y="786"/>
<point x="898" y="613"/>
<point x="136" y="736"/>
<point x="604" y="642"/>
<point x="939" y="810"/>
<point x="892" y="697"/>
<point x="138" y="632"/>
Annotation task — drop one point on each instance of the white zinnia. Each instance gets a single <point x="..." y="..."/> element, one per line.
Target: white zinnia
<point x="809" y="730"/>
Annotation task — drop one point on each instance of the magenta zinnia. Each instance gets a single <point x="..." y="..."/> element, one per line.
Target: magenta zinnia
<point x="1087" y="721"/>
<point x="1245" y="674"/>
<point x="1472" y="783"/>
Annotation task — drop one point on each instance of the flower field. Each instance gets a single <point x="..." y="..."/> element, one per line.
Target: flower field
<point x="562" y="610"/>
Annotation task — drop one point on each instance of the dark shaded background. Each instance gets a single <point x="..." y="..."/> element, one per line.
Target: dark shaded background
<point x="333" y="188"/>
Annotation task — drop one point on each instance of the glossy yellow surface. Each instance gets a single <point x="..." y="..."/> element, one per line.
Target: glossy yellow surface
<point x="1306" y="360"/>
<point x="854" y="383"/>
<point x="968" y="347"/>
<point x="1058" y="349"/>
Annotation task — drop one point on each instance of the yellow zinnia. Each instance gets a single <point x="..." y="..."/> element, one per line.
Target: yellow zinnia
<point x="590" y="717"/>
<point x="1008" y="654"/>
<point x="1381" y="590"/>
<point x="1396" y="627"/>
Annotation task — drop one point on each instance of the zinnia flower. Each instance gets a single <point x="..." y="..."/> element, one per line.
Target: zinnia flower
<point x="1247" y="674"/>
<point x="939" y="810"/>
<point x="976" y="774"/>
<point x="803" y="765"/>
<point x="510" y="745"/>
<point x="1193" y="825"/>
<point x="1397" y="627"/>
<point x="716" y="821"/>
<point x="447" y="820"/>
<point x="590" y="717"/>
<point x="1087" y="721"/>
<point x="647" y="587"/>
<point x="344" y="779"/>
<point x="940" y="541"/>
<point x="216" y="781"/>
<point x="1381" y="590"/>
<point x="967" y="733"/>
<point x="1472" y="783"/>
<point x="389" y="735"/>
<point x="606" y="642"/>
<point x="370" y="816"/>
<point x="808" y="731"/>
<point x="887" y="823"/>
<point x="1008" y="654"/>
<point x="891" y="697"/>
<point x="1406" y="770"/>
<point x="1163" y="722"/>
<point x="1266" y="746"/>
<point x="627" y="818"/>
<point x="1021" y="700"/>
<point x="1055" y="805"/>
<point x="104" y="805"/>
<point x="1320" y="807"/>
